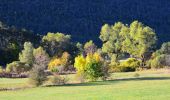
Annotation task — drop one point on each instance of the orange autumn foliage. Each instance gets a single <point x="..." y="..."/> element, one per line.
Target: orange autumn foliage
<point x="61" y="61"/>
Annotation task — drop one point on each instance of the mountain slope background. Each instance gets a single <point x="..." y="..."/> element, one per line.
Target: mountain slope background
<point x="83" y="19"/>
<point x="12" y="40"/>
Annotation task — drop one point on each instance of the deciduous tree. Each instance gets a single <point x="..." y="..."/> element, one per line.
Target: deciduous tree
<point x="26" y="56"/>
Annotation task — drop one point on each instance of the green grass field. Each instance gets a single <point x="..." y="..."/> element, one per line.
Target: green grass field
<point x="150" y="85"/>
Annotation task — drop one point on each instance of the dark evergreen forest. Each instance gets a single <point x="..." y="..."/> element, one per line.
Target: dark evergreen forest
<point x="84" y="18"/>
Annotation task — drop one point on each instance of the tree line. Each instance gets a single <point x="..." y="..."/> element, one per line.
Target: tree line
<point x="124" y="48"/>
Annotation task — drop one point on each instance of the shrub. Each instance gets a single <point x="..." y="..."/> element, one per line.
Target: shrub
<point x="60" y="69"/>
<point x="136" y="75"/>
<point x="65" y="59"/>
<point x="130" y="64"/>
<point x="53" y="64"/>
<point x="1" y="69"/>
<point x="90" y="67"/>
<point x="17" y="67"/>
<point x="37" y="75"/>
<point x="94" y="70"/>
<point x="161" y="57"/>
<point x="157" y="62"/>
<point x="105" y="70"/>
<point x="58" y="80"/>
<point x="60" y="63"/>
<point x="55" y="69"/>
<point x="114" y="63"/>
<point x="80" y="64"/>
<point x="81" y="77"/>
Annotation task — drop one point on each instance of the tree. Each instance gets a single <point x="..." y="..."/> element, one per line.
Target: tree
<point x="65" y="59"/>
<point x="161" y="57"/>
<point x="80" y="48"/>
<point x="26" y="56"/>
<point x="37" y="75"/>
<point x="56" y="43"/>
<point x="165" y="49"/>
<point x="113" y="37"/>
<point x="90" y="47"/>
<point x="157" y="62"/>
<point x="91" y="66"/>
<point x="140" y="42"/>
<point x="13" y="50"/>
<point x="58" y="37"/>
<point x="59" y="63"/>
<point x="137" y="40"/>
<point x="41" y="57"/>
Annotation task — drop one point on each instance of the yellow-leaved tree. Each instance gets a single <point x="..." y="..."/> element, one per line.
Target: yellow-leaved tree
<point x="62" y="61"/>
<point x="90" y="66"/>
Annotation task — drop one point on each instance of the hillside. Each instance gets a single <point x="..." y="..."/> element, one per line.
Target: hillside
<point x="84" y="18"/>
<point x="12" y="40"/>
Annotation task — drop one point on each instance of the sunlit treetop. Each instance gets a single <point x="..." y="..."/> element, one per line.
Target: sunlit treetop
<point x="58" y="37"/>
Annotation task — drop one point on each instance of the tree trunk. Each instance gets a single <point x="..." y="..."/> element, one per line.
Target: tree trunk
<point x="143" y="61"/>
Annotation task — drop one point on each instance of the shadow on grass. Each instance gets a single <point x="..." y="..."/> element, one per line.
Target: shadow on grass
<point x="108" y="82"/>
<point x="142" y="78"/>
<point x="81" y="84"/>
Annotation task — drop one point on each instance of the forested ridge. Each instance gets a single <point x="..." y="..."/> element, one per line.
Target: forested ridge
<point x="84" y="18"/>
<point x="12" y="40"/>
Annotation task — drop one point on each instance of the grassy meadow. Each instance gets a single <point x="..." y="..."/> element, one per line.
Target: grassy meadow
<point x="149" y="85"/>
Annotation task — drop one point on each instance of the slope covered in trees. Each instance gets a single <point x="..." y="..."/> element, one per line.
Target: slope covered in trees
<point x="84" y="18"/>
<point x="12" y="40"/>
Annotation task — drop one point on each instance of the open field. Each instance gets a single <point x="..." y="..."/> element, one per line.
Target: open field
<point x="150" y="85"/>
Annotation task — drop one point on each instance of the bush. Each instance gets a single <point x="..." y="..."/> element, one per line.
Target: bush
<point x="90" y="67"/>
<point x="17" y="67"/>
<point x="1" y="69"/>
<point x="55" y="69"/>
<point x="37" y="75"/>
<point x="161" y="57"/>
<point x="60" y="69"/>
<point x="94" y="70"/>
<point x="136" y="75"/>
<point x="105" y="70"/>
<point x="58" y="80"/>
<point x="129" y="65"/>
<point x="54" y="63"/>
<point x="81" y="77"/>
<point x="157" y="62"/>
<point x="60" y="63"/>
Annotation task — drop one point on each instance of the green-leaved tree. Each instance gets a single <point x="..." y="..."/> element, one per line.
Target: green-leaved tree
<point x="113" y="37"/>
<point x="140" y="41"/>
<point x="137" y="40"/>
<point x="26" y="56"/>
